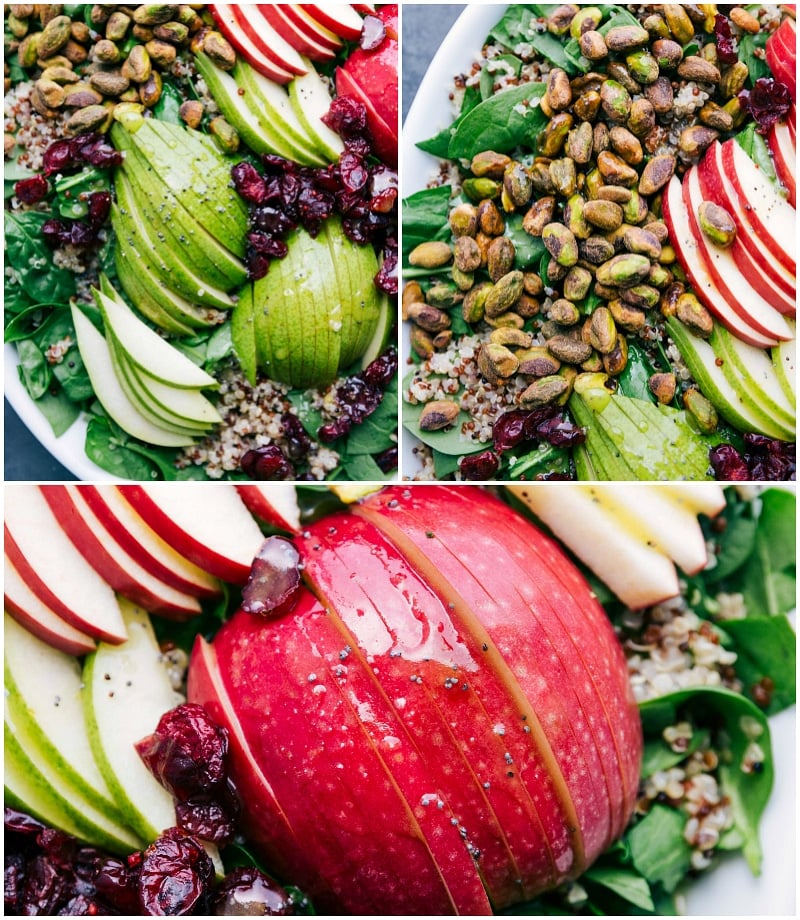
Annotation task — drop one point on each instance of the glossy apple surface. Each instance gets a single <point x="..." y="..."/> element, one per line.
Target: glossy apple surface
<point x="784" y="156"/>
<point x="451" y="671"/>
<point x="781" y="54"/>
<point x="297" y="33"/>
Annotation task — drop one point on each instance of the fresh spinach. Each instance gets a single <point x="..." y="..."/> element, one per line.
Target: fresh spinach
<point x="33" y="369"/>
<point x="631" y="888"/>
<point x="634" y="381"/>
<point x="439" y="144"/>
<point x="658" y="849"/>
<point x="528" y="249"/>
<point x="72" y="192"/>
<point x="766" y="647"/>
<point x="59" y="410"/>
<point x="507" y="120"/>
<point x="31" y="260"/>
<point x="425" y="217"/>
<point x="519" y="26"/>
<point x="378" y="432"/>
<point x="658" y="755"/>
<point x="501" y="65"/>
<point x="751" y="52"/>
<point x="756" y="148"/>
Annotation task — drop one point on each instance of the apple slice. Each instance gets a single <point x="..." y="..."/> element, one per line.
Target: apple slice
<point x="310" y="99"/>
<point x="762" y="314"/>
<point x="139" y="540"/>
<point x="274" y="503"/>
<point x="384" y="134"/>
<point x="52" y="712"/>
<point x="128" y="689"/>
<point x="116" y="566"/>
<point x="771" y="214"/>
<point x="691" y="259"/>
<point x="270" y="65"/>
<point x="39" y="619"/>
<point x="754" y="252"/>
<point x="54" y="569"/>
<point x="211" y="526"/>
<point x="784" y="157"/>
<point x="339" y="18"/>
<point x="781" y="54"/>
<point x="302" y="20"/>
<point x="296" y="31"/>
<point x="699" y="497"/>
<point x="96" y="355"/>
<point x="265" y="39"/>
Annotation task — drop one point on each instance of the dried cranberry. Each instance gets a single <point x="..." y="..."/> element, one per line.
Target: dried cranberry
<point x="117" y="883"/>
<point x="33" y="190"/>
<point x="257" y="264"/>
<point x="767" y="102"/>
<point x="267" y="245"/>
<point x="187" y="751"/>
<point x="271" y="220"/>
<point x="387" y="460"/>
<point x="728" y="464"/>
<point x="99" y="208"/>
<point x="298" y="443"/>
<point x="314" y="206"/>
<point x="13" y="881"/>
<point x="380" y="372"/>
<point x="373" y="32"/>
<point x="95" y="150"/>
<point x="55" y="232"/>
<point x="481" y="466"/>
<point x="20" y="823"/>
<point x="81" y="234"/>
<point x="206" y="818"/>
<point x="726" y="45"/>
<point x="560" y="431"/>
<point x="353" y="171"/>
<point x="44" y="887"/>
<point x="247" y="891"/>
<point x="58" y="157"/>
<point x="248" y="182"/>
<point x="59" y="847"/>
<point x="386" y="279"/>
<point x="347" y="116"/>
<point x="176" y="874"/>
<point x="267" y="463"/>
<point x="508" y="429"/>
<point x="273" y="586"/>
<point x="332" y="431"/>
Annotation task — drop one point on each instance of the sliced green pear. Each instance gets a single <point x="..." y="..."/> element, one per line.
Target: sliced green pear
<point x="52" y="711"/>
<point x="382" y="336"/>
<point x="784" y="358"/>
<point x="148" y="350"/>
<point x="311" y="100"/>
<point x="189" y="406"/>
<point x="39" y="787"/>
<point x="128" y="690"/>
<point x="153" y="298"/>
<point x="701" y="360"/>
<point x="130" y="225"/>
<point x="243" y="333"/>
<point x="96" y="356"/>
<point x="751" y="370"/>
<point x="159" y="207"/>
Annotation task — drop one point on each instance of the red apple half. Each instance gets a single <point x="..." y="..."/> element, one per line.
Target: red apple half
<point x="451" y="664"/>
<point x="784" y="156"/>
<point x="781" y="54"/>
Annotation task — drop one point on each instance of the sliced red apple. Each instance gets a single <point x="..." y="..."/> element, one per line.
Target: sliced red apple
<point x="145" y="545"/>
<point x="784" y="156"/>
<point x="755" y="253"/>
<point x="54" y="569"/>
<point x="339" y="18"/>
<point x="298" y="723"/>
<point x="300" y="37"/>
<point x="771" y="214"/>
<point x="210" y="525"/>
<point x="781" y="54"/>
<point x="117" y="567"/>
<point x="440" y="689"/>
<point x="39" y="619"/>
<point x="275" y="503"/>
<point x="301" y="20"/>
<point x="384" y="137"/>
<point x="691" y="259"/>
<point x="762" y="315"/>
<point x="268" y="64"/>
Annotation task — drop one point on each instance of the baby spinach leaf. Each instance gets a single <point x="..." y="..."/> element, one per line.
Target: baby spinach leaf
<point x="634" y="380"/>
<point x="658" y="849"/>
<point x="59" y="410"/>
<point x="362" y="467"/>
<point x="33" y="369"/>
<point x="499" y="66"/>
<point x="444" y="464"/>
<point x="770" y="576"/>
<point x="766" y="647"/>
<point x="506" y="120"/>
<point x="658" y="755"/>
<point x="439" y="144"/>
<point x="528" y="249"/>
<point x="736" y="541"/>
<point x="378" y="432"/>
<point x="626" y="884"/>
<point x="756" y="148"/>
<point x="743" y="724"/>
<point x="72" y="191"/>
<point x="32" y="261"/>
<point x="751" y="52"/>
<point x="425" y="217"/>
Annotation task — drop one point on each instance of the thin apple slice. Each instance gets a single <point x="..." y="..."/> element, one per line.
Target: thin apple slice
<point x="224" y="17"/>
<point x="699" y="497"/>
<point x="298" y="33"/>
<point x="784" y="359"/>
<point x="311" y="100"/>
<point x="302" y="20"/>
<point x="771" y="214"/>
<point x="755" y="253"/>
<point x="263" y="37"/>
<point x="34" y="615"/>
<point x="128" y="689"/>
<point x="691" y="259"/>
<point x="297" y="722"/>
<point x="210" y="526"/>
<point x="53" y="712"/>
<point x="54" y="569"/>
<point x="139" y="540"/>
<point x="784" y="156"/>
<point x="763" y="315"/>
<point x="339" y="18"/>
<point x="274" y="503"/>
<point x="116" y="566"/>
<point x="96" y="356"/>
<point x="437" y="688"/>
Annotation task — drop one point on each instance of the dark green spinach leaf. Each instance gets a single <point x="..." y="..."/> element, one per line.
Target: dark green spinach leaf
<point x="32" y="261"/>
<point x="658" y="848"/>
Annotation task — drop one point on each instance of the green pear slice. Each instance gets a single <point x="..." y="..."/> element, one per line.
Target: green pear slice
<point x="187" y="406"/>
<point x="784" y="357"/>
<point x="153" y="299"/>
<point x="96" y="356"/>
<point x="383" y="332"/>
<point x="132" y="229"/>
<point x="128" y="690"/>
<point x="40" y="790"/>
<point x="160" y="208"/>
<point x="147" y="350"/>
<point x="311" y="100"/>
<point x="51" y="711"/>
<point x="751" y="370"/>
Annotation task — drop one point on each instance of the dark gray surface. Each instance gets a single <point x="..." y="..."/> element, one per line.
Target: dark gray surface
<point x="424" y="26"/>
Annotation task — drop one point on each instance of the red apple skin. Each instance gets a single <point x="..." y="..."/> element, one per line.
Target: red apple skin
<point x="226" y="23"/>
<point x="294" y="34"/>
<point x="301" y="20"/>
<point x="781" y="54"/>
<point x="372" y="75"/>
<point x="267" y="41"/>
<point x="559" y="667"/>
<point x="326" y="775"/>
<point x="750" y="252"/>
<point x="447" y="694"/>
<point x="260" y="506"/>
<point x="35" y="616"/>
<point x="341" y="26"/>
<point x="781" y="147"/>
<point x="89" y="540"/>
<point x="134" y="535"/>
